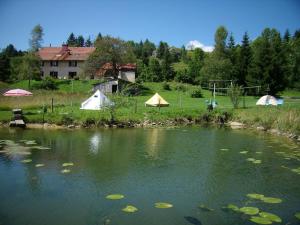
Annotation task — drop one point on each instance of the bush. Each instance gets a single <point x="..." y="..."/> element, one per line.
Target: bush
<point x="166" y="86"/>
<point x="180" y="87"/>
<point x="47" y="84"/>
<point x="134" y="89"/>
<point x="197" y="94"/>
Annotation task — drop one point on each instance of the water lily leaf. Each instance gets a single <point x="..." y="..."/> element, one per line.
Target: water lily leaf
<point x="39" y="165"/>
<point x="250" y="159"/>
<point x="271" y="216"/>
<point x="163" y="205"/>
<point x="257" y="161"/>
<point x="271" y="200"/>
<point x="258" y="152"/>
<point x="65" y="171"/>
<point x="205" y="208"/>
<point x="40" y="147"/>
<point x="26" y="160"/>
<point x="260" y="220"/>
<point x="115" y="196"/>
<point x="30" y="143"/>
<point x="243" y="152"/>
<point x="297" y="215"/>
<point x="231" y="207"/>
<point x="255" y="196"/>
<point x="224" y="149"/>
<point x="68" y="164"/>
<point x="130" y="209"/>
<point x="249" y="210"/>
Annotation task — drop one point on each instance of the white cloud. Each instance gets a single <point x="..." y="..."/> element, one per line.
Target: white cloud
<point x="196" y="44"/>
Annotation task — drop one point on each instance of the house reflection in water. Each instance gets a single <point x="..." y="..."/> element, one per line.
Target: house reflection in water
<point x="95" y="143"/>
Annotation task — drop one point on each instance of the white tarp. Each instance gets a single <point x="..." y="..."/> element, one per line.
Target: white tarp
<point x="267" y="100"/>
<point x="97" y="101"/>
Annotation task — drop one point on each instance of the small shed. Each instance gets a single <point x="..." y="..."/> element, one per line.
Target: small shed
<point x="110" y="86"/>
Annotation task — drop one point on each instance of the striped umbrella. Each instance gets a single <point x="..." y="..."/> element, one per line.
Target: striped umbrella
<point x="17" y="92"/>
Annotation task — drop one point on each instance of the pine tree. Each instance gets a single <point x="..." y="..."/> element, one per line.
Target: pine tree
<point x="71" y="40"/>
<point x="232" y="55"/>
<point x="220" y="42"/>
<point x="244" y="60"/>
<point x="80" y="41"/>
<point x="88" y="42"/>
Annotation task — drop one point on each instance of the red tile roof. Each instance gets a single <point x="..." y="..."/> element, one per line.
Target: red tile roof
<point x="108" y="66"/>
<point x="65" y="53"/>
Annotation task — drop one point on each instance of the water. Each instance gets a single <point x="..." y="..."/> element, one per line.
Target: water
<point x="182" y="166"/>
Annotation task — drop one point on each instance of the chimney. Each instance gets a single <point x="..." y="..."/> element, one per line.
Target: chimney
<point x="64" y="47"/>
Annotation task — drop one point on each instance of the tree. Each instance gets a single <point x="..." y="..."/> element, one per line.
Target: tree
<point x="4" y="68"/>
<point x="72" y="40"/>
<point x="154" y="70"/>
<point x="195" y="65"/>
<point x="232" y="54"/>
<point x="29" y="68"/>
<point x="88" y="42"/>
<point x="244" y="60"/>
<point x="109" y="50"/>
<point x="268" y="64"/>
<point x="162" y="49"/>
<point x="80" y="41"/>
<point x="36" y="38"/>
<point x="220" y="42"/>
<point x="234" y="93"/>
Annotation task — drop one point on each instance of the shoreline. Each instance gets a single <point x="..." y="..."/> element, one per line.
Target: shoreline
<point x="165" y="124"/>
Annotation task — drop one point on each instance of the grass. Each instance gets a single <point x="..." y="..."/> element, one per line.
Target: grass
<point x="67" y="100"/>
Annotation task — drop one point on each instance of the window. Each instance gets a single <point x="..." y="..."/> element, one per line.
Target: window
<point x="72" y="75"/>
<point x="53" y="74"/>
<point x="72" y="63"/>
<point x="42" y="63"/>
<point x="42" y="73"/>
<point x="54" y="63"/>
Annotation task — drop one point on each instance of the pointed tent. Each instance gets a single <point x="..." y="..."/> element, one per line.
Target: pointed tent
<point x="96" y="102"/>
<point x="156" y="100"/>
<point x="267" y="100"/>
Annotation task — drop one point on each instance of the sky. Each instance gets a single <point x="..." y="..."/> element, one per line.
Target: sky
<point x="176" y="22"/>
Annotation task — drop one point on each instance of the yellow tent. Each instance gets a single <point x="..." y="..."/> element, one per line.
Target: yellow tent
<point x="156" y="100"/>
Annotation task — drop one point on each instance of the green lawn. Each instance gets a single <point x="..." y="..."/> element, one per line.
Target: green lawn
<point x="68" y="97"/>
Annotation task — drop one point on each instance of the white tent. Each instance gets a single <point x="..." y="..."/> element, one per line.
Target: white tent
<point x="267" y="100"/>
<point x="156" y="100"/>
<point x="96" y="102"/>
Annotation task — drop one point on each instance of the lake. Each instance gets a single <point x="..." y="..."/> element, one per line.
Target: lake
<point x="197" y="170"/>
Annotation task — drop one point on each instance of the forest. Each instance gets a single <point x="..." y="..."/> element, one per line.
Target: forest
<point x="270" y="61"/>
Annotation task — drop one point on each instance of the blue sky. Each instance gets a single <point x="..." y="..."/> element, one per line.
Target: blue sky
<point x="176" y="22"/>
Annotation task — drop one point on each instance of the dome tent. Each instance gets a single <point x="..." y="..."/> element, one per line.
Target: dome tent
<point x="156" y="101"/>
<point x="97" y="101"/>
<point x="267" y="100"/>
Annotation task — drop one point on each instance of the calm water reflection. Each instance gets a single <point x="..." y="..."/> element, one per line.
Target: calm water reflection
<point x="183" y="166"/>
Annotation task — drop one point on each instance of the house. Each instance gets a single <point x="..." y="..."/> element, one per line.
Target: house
<point x="111" y="84"/>
<point x="66" y="63"/>
<point x="63" y="62"/>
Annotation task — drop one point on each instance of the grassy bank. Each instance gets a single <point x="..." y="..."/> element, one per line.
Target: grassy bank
<point x="68" y="97"/>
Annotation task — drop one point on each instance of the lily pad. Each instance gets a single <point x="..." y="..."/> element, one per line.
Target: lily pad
<point x="271" y="216"/>
<point x="39" y="165"/>
<point x="30" y="143"/>
<point x="26" y="160"/>
<point x="243" y="152"/>
<point x="257" y="161"/>
<point x="65" y="171"/>
<point x="163" y="205"/>
<point x="40" y="147"/>
<point x="68" y="164"/>
<point x="260" y="220"/>
<point x="297" y="215"/>
<point x="205" y="208"/>
<point x="271" y="200"/>
<point x="249" y="210"/>
<point x="250" y="159"/>
<point x="130" y="209"/>
<point x="255" y="196"/>
<point x="115" y="196"/>
<point x="224" y="149"/>
<point x="258" y="152"/>
<point x="231" y="207"/>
